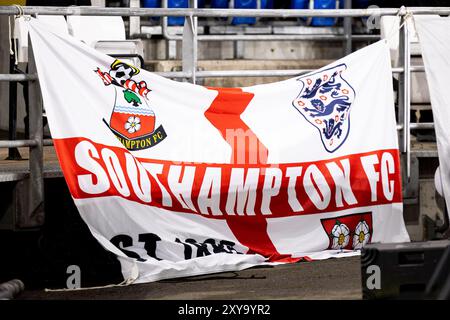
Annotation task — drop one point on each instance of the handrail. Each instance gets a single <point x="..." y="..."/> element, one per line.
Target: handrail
<point x="18" y="77"/>
<point x="269" y="13"/>
<point x="213" y="73"/>
<point x="18" y="143"/>
<point x="258" y="37"/>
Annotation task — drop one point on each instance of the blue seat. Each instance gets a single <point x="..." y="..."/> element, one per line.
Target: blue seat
<point x="171" y="21"/>
<point x="318" y="4"/>
<point x="219" y="4"/>
<point x="244" y="4"/>
<point x="266" y="4"/>
<point x="299" y="4"/>
<point x="151" y="3"/>
<point x="177" y="21"/>
<point x="324" y="22"/>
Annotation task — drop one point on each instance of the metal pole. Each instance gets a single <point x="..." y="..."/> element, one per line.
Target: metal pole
<point x="17" y="143"/>
<point x="272" y="37"/>
<point x="224" y="13"/>
<point x="258" y="6"/>
<point x="34" y="215"/>
<point x="135" y="22"/>
<point x="171" y="45"/>
<point x="348" y="29"/>
<point x="401" y="95"/>
<point x="411" y="69"/>
<point x="189" y="44"/>
<point x="13" y="153"/>
<point x="194" y="21"/>
<point x="407" y="87"/>
<point x="238" y="46"/>
<point x="405" y="95"/>
<point x="17" y="77"/>
<point x="421" y="125"/>
<point x="214" y="73"/>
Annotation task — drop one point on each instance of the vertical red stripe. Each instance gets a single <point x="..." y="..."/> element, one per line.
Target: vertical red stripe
<point x="225" y="114"/>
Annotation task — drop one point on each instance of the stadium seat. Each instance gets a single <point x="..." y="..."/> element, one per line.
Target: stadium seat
<point x="176" y="4"/>
<point x="317" y="4"/>
<point x="323" y="4"/>
<point x="219" y="4"/>
<point x="299" y="4"/>
<point x="266" y="4"/>
<point x="172" y="21"/>
<point x="106" y="34"/>
<point x="243" y="4"/>
<point x="151" y="3"/>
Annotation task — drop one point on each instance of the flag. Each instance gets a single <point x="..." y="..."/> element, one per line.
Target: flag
<point x="434" y="39"/>
<point x="179" y="180"/>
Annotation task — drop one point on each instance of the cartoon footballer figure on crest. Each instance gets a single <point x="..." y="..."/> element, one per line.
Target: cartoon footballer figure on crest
<point x="325" y="101"/>
<point x="132" y="120"/>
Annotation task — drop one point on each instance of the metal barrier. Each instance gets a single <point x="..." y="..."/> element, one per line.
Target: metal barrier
<point x="346" y="37"/>
<point x="189" y="40"/>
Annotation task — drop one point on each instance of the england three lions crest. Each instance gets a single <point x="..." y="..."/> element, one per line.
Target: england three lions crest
<point x="132" y="120"/>
<point x="325" y="101"/>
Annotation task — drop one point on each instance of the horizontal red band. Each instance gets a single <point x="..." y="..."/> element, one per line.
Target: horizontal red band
<point x="219" y="190"/>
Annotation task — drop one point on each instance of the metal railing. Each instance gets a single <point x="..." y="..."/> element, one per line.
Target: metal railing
<point x="346" y="36"/>
<point x="189" y="39"/>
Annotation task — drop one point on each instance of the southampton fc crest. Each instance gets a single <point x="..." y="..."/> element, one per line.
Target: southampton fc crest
<point x="132" y="120"/>
<point x="324" y="101"/>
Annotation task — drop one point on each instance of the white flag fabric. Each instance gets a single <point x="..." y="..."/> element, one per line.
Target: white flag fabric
<point x="179" y="180"/>
<point x="434" y="36"/>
